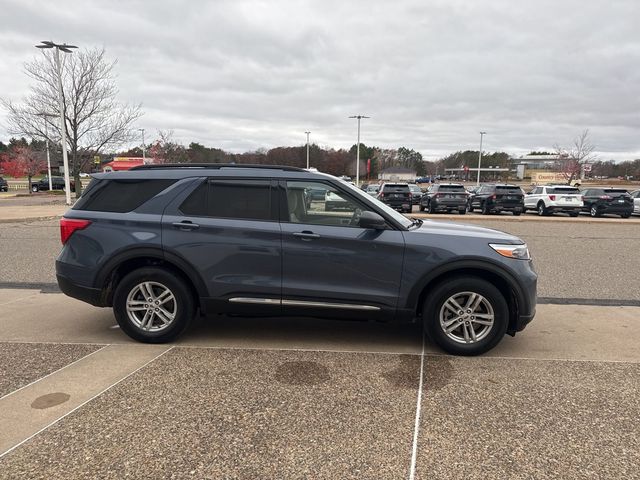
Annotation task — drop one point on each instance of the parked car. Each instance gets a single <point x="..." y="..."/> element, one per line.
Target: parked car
<point x="57" y="183"/>
<point x="333" y="201"/>
<point x="4" y="186"/>
<point x="373" y="189"/>
<point x="598" y="201"/>
<point x="548" y="199"/>
<point x="236" y="239"/>
<point x="496" y="198"/>
<point x="447" y="197"/>
<point x="636" y="202"/>
<point x="396" y="195"/>
<point x="416" y="193"/>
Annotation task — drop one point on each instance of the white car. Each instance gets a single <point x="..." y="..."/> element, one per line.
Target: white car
<point x="636" y="202"/>
<point x="548" y="199"/>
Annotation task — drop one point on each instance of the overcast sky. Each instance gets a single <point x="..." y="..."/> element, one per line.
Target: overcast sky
<point x="242" y="75"/>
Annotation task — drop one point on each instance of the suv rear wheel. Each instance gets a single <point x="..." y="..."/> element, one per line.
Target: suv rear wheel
<point x="466" y="316"/>
<point x="153" y="305"/>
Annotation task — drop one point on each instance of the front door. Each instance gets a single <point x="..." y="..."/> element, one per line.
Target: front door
<point x="330" y="266"/>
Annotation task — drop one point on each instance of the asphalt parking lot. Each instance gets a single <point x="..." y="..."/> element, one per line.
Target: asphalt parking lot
<point x="298" y="398"/>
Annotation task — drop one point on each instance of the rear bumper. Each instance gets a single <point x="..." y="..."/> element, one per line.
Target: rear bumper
<point x="89" y="295"/>
<point x="449" y="204"/>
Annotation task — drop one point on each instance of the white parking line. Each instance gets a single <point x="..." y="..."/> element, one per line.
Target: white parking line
<point x="52" y="373"/>
<point x="416" y="427"/>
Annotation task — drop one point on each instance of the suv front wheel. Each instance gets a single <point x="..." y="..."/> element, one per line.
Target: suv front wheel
<point x="465" y="316"/>
<point x="153" y="305"/>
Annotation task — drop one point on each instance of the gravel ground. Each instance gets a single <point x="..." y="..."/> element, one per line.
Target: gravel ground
<point x="238" y="414"/>
<point x="525" y="419"/>
<point x="23" y="363"/>
<point x="574" y="260"/>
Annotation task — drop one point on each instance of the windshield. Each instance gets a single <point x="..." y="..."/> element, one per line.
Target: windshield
<point x="415" y="188"/>
<point x="390" y="212"/>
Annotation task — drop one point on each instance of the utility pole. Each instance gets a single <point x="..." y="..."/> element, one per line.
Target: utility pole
<point x="144" y="158"/>
<point x="63" y="131"/>
<point x="307" y="149"/>
<point x="358" y="149"/>
<point x="45" y="115"/>
<point x="480" y="157"/>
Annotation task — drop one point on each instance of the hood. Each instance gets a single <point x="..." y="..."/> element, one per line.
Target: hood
<point x="432" y="227"/>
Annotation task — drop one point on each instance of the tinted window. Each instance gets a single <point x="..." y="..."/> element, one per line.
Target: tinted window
<point x="509" y="190"/>
<point x="616" y="192"/>
<point x="564" y="190"/>
<point x="241" y="199"/>
<point x="389" y="187"/>
<point x="451" y="188"/>
<point x="121" y="195"/>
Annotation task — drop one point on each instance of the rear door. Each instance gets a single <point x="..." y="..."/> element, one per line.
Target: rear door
<point x="332" y="267"/>
<point x="565" y="196"/>
<point x="509" y="196"/>
<point x="227" y="229"/>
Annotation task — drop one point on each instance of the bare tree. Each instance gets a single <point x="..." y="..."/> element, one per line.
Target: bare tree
<point x="94" y="119"/>
<point x="166" y="150"/>
<point x="571" y="161"/>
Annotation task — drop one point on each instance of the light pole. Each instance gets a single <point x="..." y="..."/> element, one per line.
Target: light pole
<point x="144" y="158"/>
<point x="480" y="156"/>
<point x="46" y="140"/>
<point x="307" y="149"/>
<point x="63" y="131"/>
<point x="358" y="149"/>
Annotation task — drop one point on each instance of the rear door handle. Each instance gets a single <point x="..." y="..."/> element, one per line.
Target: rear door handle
<point x="306" y="235"/>
<point x="186" y="225"/>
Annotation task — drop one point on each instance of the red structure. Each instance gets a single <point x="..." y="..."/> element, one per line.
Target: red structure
<point x="122" y="163"/>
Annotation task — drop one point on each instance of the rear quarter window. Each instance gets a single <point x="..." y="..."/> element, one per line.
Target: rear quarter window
<point x="509" y="190"/>
<point x="120" y="196"/>
<point x="564" y="190"/>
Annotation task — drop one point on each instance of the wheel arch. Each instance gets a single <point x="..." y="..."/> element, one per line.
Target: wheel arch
<point x="126" y="262"/>
<point x="497" y="276"/>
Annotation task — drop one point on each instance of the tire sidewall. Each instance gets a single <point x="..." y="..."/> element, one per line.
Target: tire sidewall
<point x="184" y="301"/>
<point x="446" y="289"/>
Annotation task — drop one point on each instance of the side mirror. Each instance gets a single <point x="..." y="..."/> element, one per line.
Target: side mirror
<point x="372" y="220"/>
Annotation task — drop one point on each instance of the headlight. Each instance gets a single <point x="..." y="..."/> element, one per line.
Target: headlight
<point x="520" y="252"/>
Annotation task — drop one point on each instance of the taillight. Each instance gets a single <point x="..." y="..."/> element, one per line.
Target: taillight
<point x="409" y="195"/>
<point x="437" y="195"/>
<point x="70" y="225"/>
<point x="493" y="197"/>
<point x="552" y="198"/>
<point x="381" y="194"/>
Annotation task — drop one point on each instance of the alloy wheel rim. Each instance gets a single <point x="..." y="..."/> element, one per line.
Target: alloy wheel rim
<point x="466" y="317"/>
<point x="151" y="306"/>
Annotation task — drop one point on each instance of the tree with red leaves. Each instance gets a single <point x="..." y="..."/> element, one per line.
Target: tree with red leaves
<point x="23" y="161"/>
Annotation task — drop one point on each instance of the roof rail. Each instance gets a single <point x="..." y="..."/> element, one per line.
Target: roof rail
<point x="216" y="166"/>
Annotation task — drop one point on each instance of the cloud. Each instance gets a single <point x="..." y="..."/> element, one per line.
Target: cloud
<point x="244" y="75"/>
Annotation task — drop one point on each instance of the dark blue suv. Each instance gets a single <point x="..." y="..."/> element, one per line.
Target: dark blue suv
<point x="160" y="242"/>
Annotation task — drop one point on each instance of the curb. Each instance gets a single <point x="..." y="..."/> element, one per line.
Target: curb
<point x="522" y="218"/>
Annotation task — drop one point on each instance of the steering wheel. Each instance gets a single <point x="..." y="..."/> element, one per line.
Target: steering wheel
<point x="355" y="218"/>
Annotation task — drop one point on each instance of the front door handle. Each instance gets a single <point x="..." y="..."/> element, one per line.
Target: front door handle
<point x="306" y="235"/>
<point x="186" y="225"/>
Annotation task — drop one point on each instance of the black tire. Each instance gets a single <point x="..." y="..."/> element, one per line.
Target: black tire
<point x="421" y="208"/>
<point x="183" y="308"/>
<point x="439" y="295"/>
<point x="574" y="214"/>
<point x="34" y="188"/>
<point x="484" y="209"/>
<point x="430" y="208"/>
<point x="517" y="214"/>
<point x="625" y="215"/>
<point x="469" y="208"/>
<point x="593" y="211"/>
<point x="542" y="210"/>
<point x="462" y="212"/>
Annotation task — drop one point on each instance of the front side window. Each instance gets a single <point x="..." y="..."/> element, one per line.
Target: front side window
<point x="334" y="208"/>
<point x="235" y="199"/>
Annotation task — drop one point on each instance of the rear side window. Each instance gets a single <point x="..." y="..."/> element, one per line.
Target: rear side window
<point x="121" y="195"/>
<point x="616" y="191"/>
<point x="240" y="199"/>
